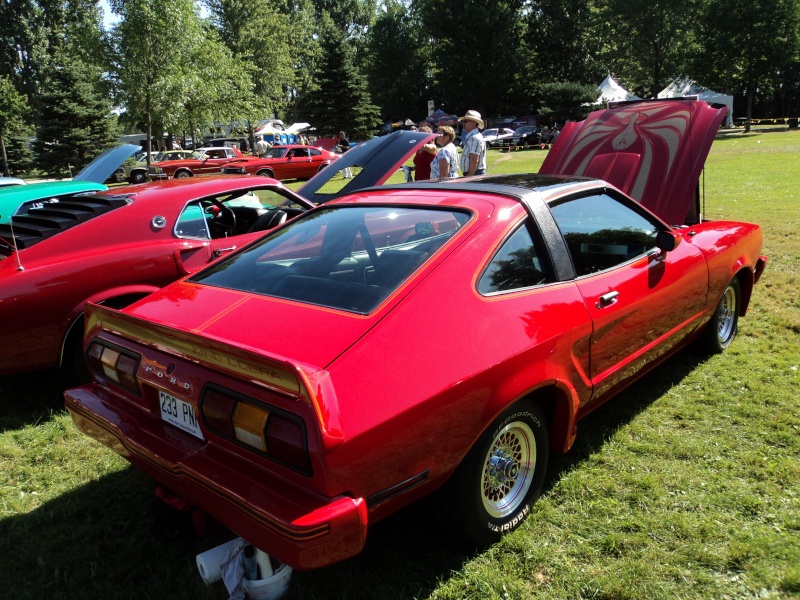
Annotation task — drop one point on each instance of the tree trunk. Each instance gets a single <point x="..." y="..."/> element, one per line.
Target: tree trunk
<point x="751" y="88"/>
<point x="5" y="158"/>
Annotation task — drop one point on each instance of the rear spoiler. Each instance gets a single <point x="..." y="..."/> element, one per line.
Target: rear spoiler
<point x="304" y="383"/>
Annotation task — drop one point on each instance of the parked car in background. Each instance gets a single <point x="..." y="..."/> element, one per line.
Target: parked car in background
<point x="494" y="136"/>
<point x="523" y="137"/>
<point x="118" y="246"/>
<point x="202" y="162"/>
<point x="8" y="181"/>
<point x="19" y="199"/>
<point x="284" y="162"/>
<point x="137" y="172"/>
<point x="397" y="340"/>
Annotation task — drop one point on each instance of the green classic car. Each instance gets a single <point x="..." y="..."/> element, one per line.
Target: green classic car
<point x="18" y="199"/>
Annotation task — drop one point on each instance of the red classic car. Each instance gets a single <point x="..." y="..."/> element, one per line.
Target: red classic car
<point x="118" y="246"/>
<point x="284" y="162"/>
<point x="203" y="162"/>
<point x="399" y="339"/>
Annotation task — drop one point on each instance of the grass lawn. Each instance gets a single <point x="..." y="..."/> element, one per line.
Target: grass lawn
<point x="687" y="485"/>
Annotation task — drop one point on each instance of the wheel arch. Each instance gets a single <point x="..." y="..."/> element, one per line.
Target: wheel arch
<point x="74" y="331"/>
<point x="182" y="171"/>
<point x="560" y="408"/>
<point x="746" y="282"/>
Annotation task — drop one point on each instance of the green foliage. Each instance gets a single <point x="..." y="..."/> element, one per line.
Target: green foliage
<point x="475" y="53"/>
<point x="12" y="112"/>
<point x="75" y="123"/>
<point x="399" y="54"/>
<point x="565" y="101"/>
<point x="257" y="33"/>
<point x="341" y="100"/>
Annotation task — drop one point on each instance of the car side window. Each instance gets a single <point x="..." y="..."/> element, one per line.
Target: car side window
<point x="516" y="265"/>
<point x="602" y="232"/>
<point x="193" y="223"/>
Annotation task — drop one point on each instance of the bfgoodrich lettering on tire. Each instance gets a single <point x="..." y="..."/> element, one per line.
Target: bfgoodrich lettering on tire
<point x="493" y="490"/>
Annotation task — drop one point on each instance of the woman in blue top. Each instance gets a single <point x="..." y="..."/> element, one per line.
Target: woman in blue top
<point x="446" y="162"/>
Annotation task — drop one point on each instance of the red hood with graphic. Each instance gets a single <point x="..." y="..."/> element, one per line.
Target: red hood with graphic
<point x="652" y="150"/>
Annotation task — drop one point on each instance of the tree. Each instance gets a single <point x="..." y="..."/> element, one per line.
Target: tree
<point x="476" y="51"/>
<point x="215" y="86"/>
<point x="305" y="55"/>
<point x="341" y="101"/>
<point x="75" y="122"/>
<point x="12" y="111"/>
<point x="258" y="32"/>
<point x="152" y="44"/>
<point x="560" y="41"/>
<point x="565" y="101"/>
<point x="646" y="42"/>
<point x="33" y="31"/>
<point x="754" y="44"/>
<point x="397" y="69"/>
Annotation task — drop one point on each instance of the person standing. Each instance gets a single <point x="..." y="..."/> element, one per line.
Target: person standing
<point x="262" y="147"/>
<point x="446" y="162"/>
<point x="423" y="158"/>
<point x="342" y="146"/>
<point x="473" y="156"/>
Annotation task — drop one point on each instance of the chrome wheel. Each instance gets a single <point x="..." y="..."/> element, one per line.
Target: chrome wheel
<point x="508" y="470"/>
<point x="726" y="315"/>
<point x="721" y="329"/>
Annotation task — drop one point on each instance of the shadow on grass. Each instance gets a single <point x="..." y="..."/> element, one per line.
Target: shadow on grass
<point x="27" y="398"/>
<point x="99" y="540"/>
<point x="595" y="429"/>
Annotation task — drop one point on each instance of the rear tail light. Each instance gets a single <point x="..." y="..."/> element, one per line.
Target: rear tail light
<point x="279" y="435"/>
<point x="114" y="364"/>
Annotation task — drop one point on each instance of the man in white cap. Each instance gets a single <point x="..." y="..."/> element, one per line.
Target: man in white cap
<point x="473" y="157"/>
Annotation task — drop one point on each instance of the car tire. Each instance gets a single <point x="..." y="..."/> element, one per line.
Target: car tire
<point x="182" y="174"/>
<point x="73" y="364"/>
<point x="266" y="173"/>
<point x="138" y="177"/>
<point x="721" y="330"/>
<point x="493" y="489"/>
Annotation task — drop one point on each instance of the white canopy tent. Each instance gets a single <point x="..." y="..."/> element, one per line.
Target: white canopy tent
<point x="683" y="86"/>
<point x="611" y="91"/>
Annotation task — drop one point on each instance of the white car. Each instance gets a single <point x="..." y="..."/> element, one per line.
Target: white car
<point x="494" y="135"/>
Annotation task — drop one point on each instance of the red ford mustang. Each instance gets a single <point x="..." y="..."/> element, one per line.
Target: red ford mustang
<point x="398" y="339"/>
<point x="206" y="161"/>
<point x="284" y="162"/>
<point x="115" y="247"/>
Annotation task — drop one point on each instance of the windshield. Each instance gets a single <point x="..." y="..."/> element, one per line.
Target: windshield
<point x="350" y="258"/>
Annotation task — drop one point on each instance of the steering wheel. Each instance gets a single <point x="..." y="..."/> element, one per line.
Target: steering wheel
<point x="223" y="223"/>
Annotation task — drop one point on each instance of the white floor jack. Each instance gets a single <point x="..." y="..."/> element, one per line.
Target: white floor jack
<point x="246" y="571"/>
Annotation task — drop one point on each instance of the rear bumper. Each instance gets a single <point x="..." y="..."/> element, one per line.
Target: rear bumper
<point x="302" y="529"/>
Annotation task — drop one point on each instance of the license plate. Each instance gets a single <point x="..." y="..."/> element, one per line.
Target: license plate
<point x="179" y="413"/>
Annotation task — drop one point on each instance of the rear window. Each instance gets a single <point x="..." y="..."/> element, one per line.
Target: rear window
<point x="349" y="258"/>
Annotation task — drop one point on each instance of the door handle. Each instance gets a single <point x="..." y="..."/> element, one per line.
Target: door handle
<point x="607" y="299"/>
<point x="219" y="251"/>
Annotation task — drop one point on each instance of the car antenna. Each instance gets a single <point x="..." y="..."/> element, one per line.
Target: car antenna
<point x="14" y="241"/>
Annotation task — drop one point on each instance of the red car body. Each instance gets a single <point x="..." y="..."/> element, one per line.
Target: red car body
<point x="382" y="344"/>
<point x="208" y="161"/>
<point x="294" y="161"/>
<point x="118" y="246"/>
<point x="132" y="244"/>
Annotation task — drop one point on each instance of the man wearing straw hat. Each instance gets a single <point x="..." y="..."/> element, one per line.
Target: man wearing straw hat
<point x="473" y="158"/>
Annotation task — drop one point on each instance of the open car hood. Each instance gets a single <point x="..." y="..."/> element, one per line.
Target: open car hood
<point x="103" y="167"/>
<point x="378" y="158"/>
<point x="653" y="150"/>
